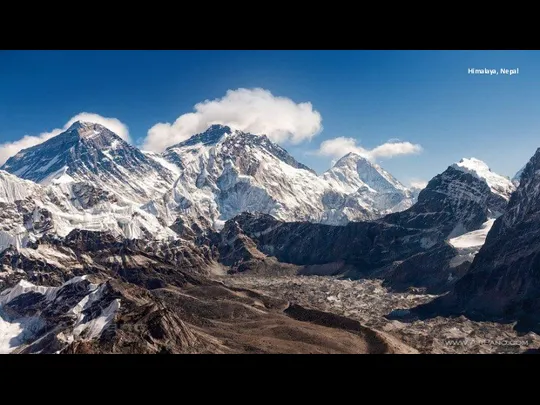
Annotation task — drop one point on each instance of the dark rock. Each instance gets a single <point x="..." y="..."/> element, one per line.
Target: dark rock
<point x="503" y="282"/>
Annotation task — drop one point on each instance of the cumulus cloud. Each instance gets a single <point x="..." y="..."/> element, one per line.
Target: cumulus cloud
<point x="338" y="147"/>
<point x="418" y="184"/>
<point x="12" y="148"/>
<point x="391" y="149"/>
<point x="252" y="110"/>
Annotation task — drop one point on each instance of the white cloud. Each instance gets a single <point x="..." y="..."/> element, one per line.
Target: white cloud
<point x="338" y="147"/>
<point x="12" y="148"/>
<point x="112" y="124"/>
<point x="252" y="110"/>
<point x="418" y="183"/>
<point x="391" y="149"/>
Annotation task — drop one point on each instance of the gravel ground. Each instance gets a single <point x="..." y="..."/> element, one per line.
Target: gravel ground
<point x="368" y="302"/>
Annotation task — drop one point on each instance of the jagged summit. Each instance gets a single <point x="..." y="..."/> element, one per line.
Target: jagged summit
<point x="459" y="200"/>
<point x="351" y="158"/>
<point x="223" y="172"/>
<point x="472" y="164"/>
<point x="85" y="125"/>
<point x="209" y="137"/>
<point x="39" y="162"/>
<point x="355" y="172"/>
<point x="498" y="184"/>
<point x="89" y="152"/>
<point x="230" y="143"/>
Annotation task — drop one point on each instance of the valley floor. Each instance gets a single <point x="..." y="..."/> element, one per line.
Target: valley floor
<point x="368" y="302"/>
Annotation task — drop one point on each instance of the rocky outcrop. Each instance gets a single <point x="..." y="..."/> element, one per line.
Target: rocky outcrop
<point x="97" y="314"/>
<point x="239" y="253"/>
<point x="431" y="271"/>
<point x="503" y="282"/>
<point x="453" y="203"/>
<point x="149" y="263"/>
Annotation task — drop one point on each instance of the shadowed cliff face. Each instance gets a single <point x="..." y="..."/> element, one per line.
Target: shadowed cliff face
<point x="504" y="279"/>
<point x="404" y="257"/>
<point x="366" y="245"/>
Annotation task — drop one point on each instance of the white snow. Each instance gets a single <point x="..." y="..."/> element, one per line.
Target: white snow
<point x="469" y="244"/>
<point x="23" y="287"/>
<point x="219" y="181"/>
<point x="216" y="182"/>
<point x="95" y="327"/>
<point x="498" y="184"/>
<point x="14" y="189"/>
<point x="62" y="177"/>
<point x="8" y="332"/>
<point x="164" y="162"/>
<point x="15" y="332"/>
<point x="58" y="177"/>
<point x="473" y="238"/>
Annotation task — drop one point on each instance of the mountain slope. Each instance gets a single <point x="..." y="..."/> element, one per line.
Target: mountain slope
<point x="368" y="183"/>
<point x="88" y="178"/>
<point x="517" y="177"/>
<point x="500" y="186"/>
<point x="503" y="281"/>
<point x="224" y="172"/>
<point x="29" y="211"/>
<point x="209" y="178"/>
<point x="91" y="153"/>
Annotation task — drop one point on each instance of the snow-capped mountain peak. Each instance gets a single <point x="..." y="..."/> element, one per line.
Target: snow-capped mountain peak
<point x="209" y="137"/>
<point x="86" y="129"/>
<point x="498" y="184"/>
<point x="230" y="143"/>
<point x="89" y="152"/>
<point x="223" y="172"/>
<point x="92" y="179"/>
<point x="378" y="178"/>
<point x="353" y="171"/>
<point x="369" y="184"/>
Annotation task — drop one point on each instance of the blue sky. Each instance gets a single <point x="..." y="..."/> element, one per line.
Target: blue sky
<point x="422" y="97"/>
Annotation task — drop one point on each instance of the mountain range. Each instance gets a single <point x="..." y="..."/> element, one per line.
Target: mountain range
<point x="89" y="178"/>
<point x="112" y="238"/>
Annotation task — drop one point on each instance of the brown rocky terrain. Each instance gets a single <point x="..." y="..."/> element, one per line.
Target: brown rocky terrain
<point x="104" y="295"/>
<point x="369" y="303"/>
